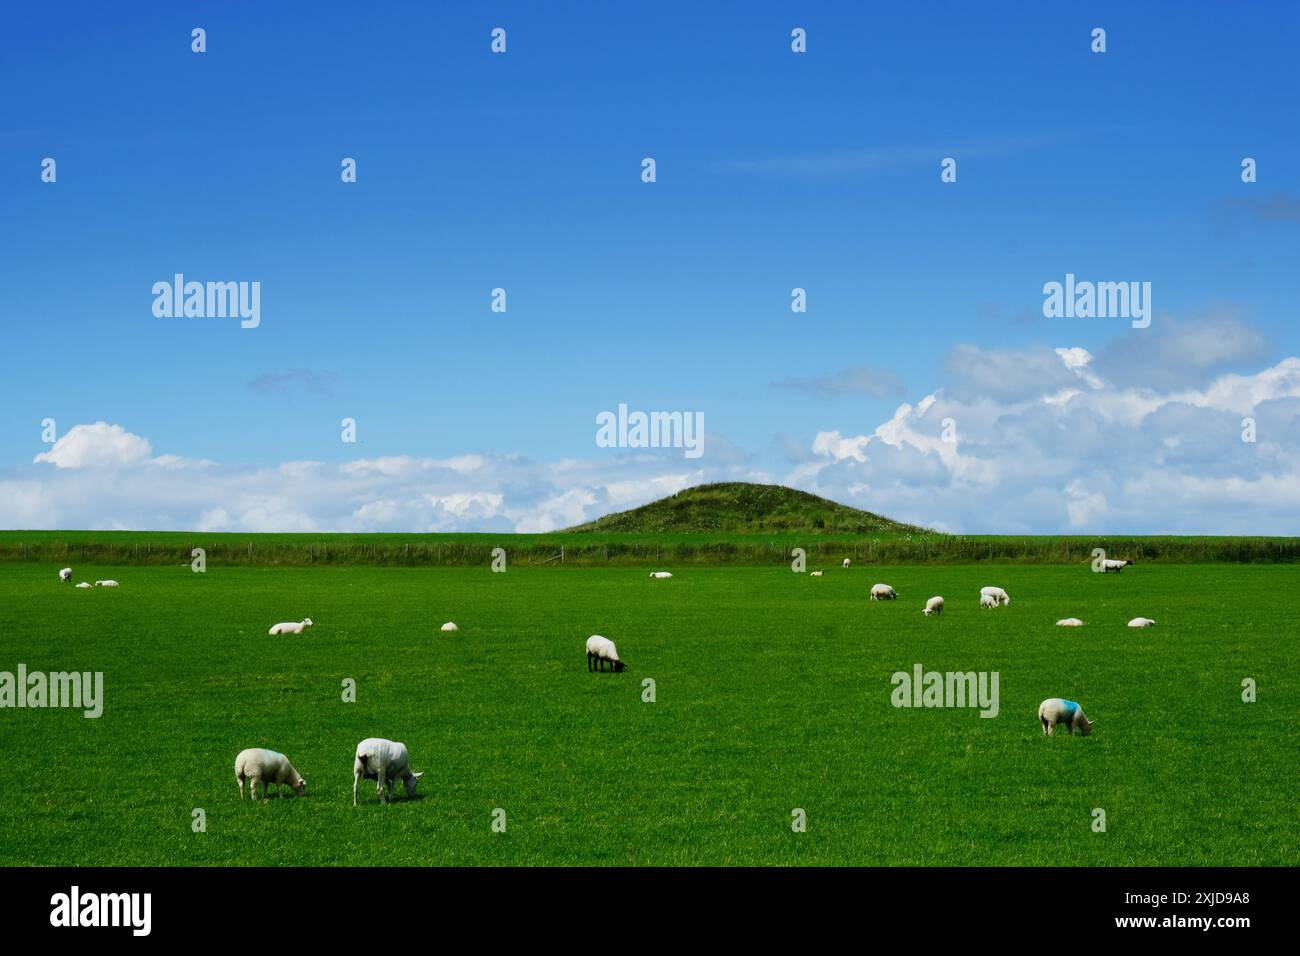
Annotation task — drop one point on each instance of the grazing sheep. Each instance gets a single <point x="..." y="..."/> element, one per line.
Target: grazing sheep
<point x="846" y="562"/>
<point x="66" y="575"/>
<point x="1069" y="622"/>
<point x="450" y="626"/>
<point x="1141" y="622"/>
<point x="271" y="768"/>
<point x="883" y="592"/>
<point x="1000" y="595"/>
<point x="661" y="574"/>
<point x="1112" y="564"/>
<point x="106" y="584"/>
<point x="291" y="627"/>
<point x="383" y="761"/>
<point x="601" y="649"/>
<point x="988" y="600"/>
<point x="814" y="574"/>
<point x="933" y="606"/>
<point x="1057" y="710"/>
<point x="84" y="584"/>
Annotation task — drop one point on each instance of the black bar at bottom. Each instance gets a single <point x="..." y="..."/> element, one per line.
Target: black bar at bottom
<point x="335" y="906"/>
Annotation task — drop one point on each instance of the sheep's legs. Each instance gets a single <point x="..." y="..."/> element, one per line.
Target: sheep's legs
<point x="356" y="779"/>
<point x="383" y="779"/>
<point x="252" y="787"/>
<point x="1047" y="729"/>
<point x="240" y="781"/>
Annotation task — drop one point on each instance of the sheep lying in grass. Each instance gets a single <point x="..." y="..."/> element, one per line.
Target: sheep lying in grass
<point x="106" y="584"/>
<point x="1141" y="622"/>
<point x="66" y="575"/>
<point x="997" y="594"/>
<point x="84" y="584"/>
<point x="601" y="649"/>
<point x="383" y="761"/>
<point x="291" y="627"/>
<point x="988" y="600"/>
<point x="1069" y="622"/>
<point x="814" y="574"/>
<point x="450" y="626"/>
<point x="270" y="767"/>
<point x="883" y="592"/>
<point x="1057" y="710"/>
<point x="661" y="574"/>
<point x="933" y="606"/>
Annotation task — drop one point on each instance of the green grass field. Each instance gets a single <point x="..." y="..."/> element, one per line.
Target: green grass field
<point x="773" y="693"/>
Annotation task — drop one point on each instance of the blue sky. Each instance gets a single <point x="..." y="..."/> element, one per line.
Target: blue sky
<point x="522" y="171"/>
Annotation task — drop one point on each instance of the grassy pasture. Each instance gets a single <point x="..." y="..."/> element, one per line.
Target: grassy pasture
<point x="773" y="692"/>
<point x="602" y="548"/>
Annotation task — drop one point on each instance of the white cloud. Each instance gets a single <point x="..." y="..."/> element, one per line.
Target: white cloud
<point x="99" y="445"/>
<point x="1051" y="444"/>
<point x="1095" y="457"/>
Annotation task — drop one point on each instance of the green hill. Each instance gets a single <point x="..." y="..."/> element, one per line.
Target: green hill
<point x="743" y="508"/>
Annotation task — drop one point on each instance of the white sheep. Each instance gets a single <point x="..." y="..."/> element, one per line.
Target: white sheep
<point x="1000" y="595"/>
<point x="450" y="626"/>
<point x="601" y="649"/>
<point x="1057" y="710"/>
<point x="1112" y="564"/>
<point x="661" y="574"/>
<point x="84" y="584"/>
<point x="846" y="562"/>
<point x="933" y="606"/>
<point x="291" y="627"/>
<point x="383" y="761"/>
<point x="1141" y="622"/>
<point x="1069" y="622"/>
<point x="271" y="768"/>
<point x="883" y="592"/>
<point x="106" y="584"/>
<point x="814" y="574"/>
<point x="66" y="575"/>
<point x="988" y="600"/>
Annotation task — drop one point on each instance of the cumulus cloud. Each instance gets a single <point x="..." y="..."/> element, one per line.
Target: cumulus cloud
<point x="1033" y="440"/>
<point x="99" y="445"/>
<point x="1006" y="374"/>
<point x="1172" y="353"/>
<point x="1077" y="448"/>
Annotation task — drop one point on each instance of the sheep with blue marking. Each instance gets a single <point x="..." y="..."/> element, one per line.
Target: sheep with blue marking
<point x="1058" y="710"/>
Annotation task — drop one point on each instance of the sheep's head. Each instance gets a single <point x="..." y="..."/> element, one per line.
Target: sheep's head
<point x="306" y="622"/>
<point x="1087" y="726"/>
<point x="410" y="782"/>
<point x="300" y="787"/>
<point x="619" y="666"/>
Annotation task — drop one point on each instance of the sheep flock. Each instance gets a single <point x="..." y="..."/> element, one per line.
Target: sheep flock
<point x="387" y="762"/>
